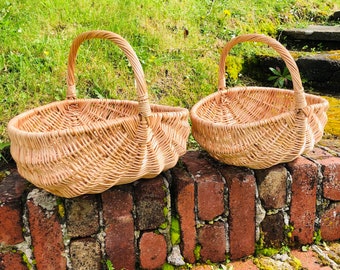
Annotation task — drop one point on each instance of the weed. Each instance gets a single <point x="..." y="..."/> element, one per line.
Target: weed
<point x="3" y="145"/>
<point x="317" y="238"/>
<point x="197" y="252"/>
<point x="109" y="265"/>
<point x="175" y="231"/>
<point x="163" y="226"/>
<point x="167" y="266"/>
<point x="61" y="208"/>
<point x="27" y="262"/>
<point x="281" y="78"/>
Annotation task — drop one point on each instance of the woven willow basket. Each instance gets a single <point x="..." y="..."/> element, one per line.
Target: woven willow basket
<point x="79" y="146"/>
<point x="258" y="127"/>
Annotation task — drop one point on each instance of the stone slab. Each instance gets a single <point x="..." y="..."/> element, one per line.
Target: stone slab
<point x="315" y="32"/>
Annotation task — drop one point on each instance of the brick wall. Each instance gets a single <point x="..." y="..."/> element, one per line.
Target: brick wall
<point x="223" y="211"/>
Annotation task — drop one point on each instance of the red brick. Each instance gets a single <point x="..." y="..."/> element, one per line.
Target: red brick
<point x="242" y="211"/>
<point x="82" y="217"/>
<point x="11" y="224"/>
<point x="153" y="250"/>
<point x="210" y="186"/>
<point x="185" y="203"/>
<point x="243" y="265"/>
<point x="330" y="223"/>
<point x="47" y="238"/>
<point x="12" y="261"/>
<point x="150" y="202"/>
<point x="210" y="199"/>
<point x="11" y="190"/>
<point x="272" y="184"/>
<point x="119" y="226"/>
<point x="309" y="260"/>
<point x="303" y="205"/>
<point x="331" y="178"/>
<point x="212" y="239"/>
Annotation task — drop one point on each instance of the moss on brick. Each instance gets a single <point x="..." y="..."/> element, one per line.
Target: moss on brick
<point x="175" y="231"/>
<point x="333" y="125"/>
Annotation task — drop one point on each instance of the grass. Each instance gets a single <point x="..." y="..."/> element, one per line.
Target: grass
<point x="178" y="43"/>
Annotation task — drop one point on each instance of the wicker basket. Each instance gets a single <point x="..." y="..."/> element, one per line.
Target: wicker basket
<point x="79" y="146"/>
<point x="258" y="127"/>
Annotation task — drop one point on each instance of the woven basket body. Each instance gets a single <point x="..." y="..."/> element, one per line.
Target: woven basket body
<point x="79" y="146"/>
<point x="258" y="127"/>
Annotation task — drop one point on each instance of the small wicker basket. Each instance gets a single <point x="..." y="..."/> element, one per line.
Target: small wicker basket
<point x="258" y="127"/>
<point x="79" y="146"/>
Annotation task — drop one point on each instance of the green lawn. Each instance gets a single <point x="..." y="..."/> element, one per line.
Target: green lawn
<point x="178" y="43"/>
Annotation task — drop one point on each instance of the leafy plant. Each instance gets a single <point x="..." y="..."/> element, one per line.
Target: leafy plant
<point x="281" y="78"/>
<point x="109" y="265"/>
<point x="317" y="237"/>
<point x="3" y="145"/>
<point x="167" y="266"/>
<point x="175" y="231"/>
<point x="197" y="252"/>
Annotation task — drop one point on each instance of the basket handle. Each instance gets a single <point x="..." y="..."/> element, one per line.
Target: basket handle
<point x="143" y="99"/>
<point x="300" y="101"/>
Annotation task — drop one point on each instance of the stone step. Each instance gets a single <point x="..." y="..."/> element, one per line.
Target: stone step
<point x="319" y="71"/>
<point x="314" y="37"/>
<point x="321" y="37"/>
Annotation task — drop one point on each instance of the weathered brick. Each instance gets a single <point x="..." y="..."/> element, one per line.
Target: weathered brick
<point x="242" y="210"/>
<point x="153" y="250"/>
<point x="273" y="230"/>
<point x="303" y="204"/>
<point x="272" y="185"/>
<point x="85" y="254"/>
<point x="47" y="238"/>
<point x="212" y="239"/>
<point x="11" y="191"/>
<point x="150" y="202"/>
<point x="239" y="265"/>
<point x="207" y="194"/>
<point x="330" y="223"/>
<point x="185" y="204"/>
<point x="12" y="260"/>
<point x="309" y="260"/>
<point x="331" y="177"/>
<point x="318" y="154"/>
<point x="82" y="216"/>
<point x="210" y="186"/>
<point x="119" y="227"/>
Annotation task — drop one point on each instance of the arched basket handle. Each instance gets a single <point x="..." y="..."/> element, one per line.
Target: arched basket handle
<point x="143" y="99"/>
<point x="300" y="101"/>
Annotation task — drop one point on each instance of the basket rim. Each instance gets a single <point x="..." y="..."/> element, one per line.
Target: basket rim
<point x="11" y="127"/>
<point x="194" y="115"/>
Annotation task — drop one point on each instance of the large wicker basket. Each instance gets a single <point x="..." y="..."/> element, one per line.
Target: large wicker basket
<point x="79" y="146"/>
<point x="258" y="127"/>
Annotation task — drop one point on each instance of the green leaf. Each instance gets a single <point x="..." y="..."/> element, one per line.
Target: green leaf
<point x="272" y="78"/>
<point x="275" y="71"/>
<point x="109" y="265"/>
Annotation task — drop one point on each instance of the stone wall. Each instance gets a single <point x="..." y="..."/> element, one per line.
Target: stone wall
<point x="223" y="212"/>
